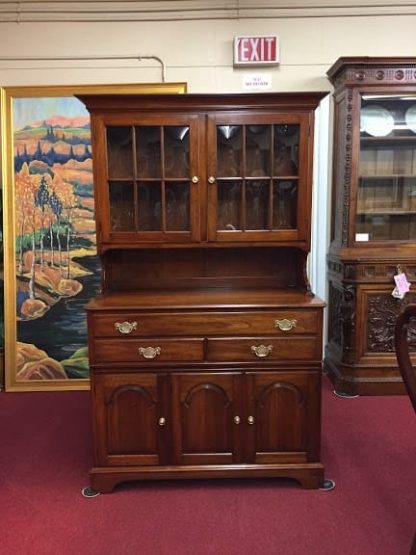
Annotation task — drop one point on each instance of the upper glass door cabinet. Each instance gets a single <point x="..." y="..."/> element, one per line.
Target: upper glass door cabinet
<point x="256" y="180"/>
<point x="150" y="181"/>
<point x="386" y="194"/>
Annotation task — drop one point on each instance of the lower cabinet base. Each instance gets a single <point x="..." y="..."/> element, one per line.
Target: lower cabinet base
<point x="353" y="380"/>
<point x="104" y="479"/>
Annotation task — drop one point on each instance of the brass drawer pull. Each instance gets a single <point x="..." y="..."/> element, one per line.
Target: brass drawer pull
<point x="250" y="420"/>
<point x="125" y="327"/>
<point x="162" y="421"/>
<point x="237" y="420"/>
<point x="285" y="324"/>
<point x="149" y="352"/>
<point x="262" y="351"/>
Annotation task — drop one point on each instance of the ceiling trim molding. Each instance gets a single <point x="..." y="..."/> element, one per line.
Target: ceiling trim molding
<point x="169" y="10"/>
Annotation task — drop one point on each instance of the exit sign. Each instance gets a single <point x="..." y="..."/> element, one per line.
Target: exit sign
<point x="259" y="50"/>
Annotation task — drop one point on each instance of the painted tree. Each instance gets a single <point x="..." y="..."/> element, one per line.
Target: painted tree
<point x="69" y="202"/>
<point x="42" y="201"/>
<point x="28" y="218"/>
<point x="56" y="207"/>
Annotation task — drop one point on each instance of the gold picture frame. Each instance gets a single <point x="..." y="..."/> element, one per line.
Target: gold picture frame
<point x="9" y="96"/>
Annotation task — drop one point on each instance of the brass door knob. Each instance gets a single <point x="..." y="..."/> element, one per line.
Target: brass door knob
<point x="211" y="179"/>
<point x="237" y="420"/>
<point x="195" y="179"/>
<point x="161" y="421"/>
<point x="250" y="420"/>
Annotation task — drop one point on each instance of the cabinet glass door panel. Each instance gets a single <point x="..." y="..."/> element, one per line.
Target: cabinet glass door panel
<point x="122" y="205"/>
<point x="286" y="150"/>
<point x="257" y="178"/>
<point x="149" y="206"/>
<point x="176" y="152"/>
<point x="148" y="149"/>
<point x="149" y="180"/>
<point x="120" y="152"/>
<point x="386" y="195"/>
<point x="285" y="194"/>
<point x="257" y="195"/>
<point x="229" y="205"/>
<point x="229" y="150"/>
<point x="177" y="206"/>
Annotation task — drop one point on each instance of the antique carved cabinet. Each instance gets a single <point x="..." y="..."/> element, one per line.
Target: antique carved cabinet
<point x="374" y="220"/>
<point x="205" y="344"/>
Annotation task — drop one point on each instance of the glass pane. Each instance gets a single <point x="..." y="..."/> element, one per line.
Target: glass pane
<point x="177" y="151"/>
<point x="229" y="205"/>
<point x="387" y="169"/>
<point x="121" y="206"/>
<point x="150" y="206"/>
<point x="229" y="149"/>
<point x="119" y="152"/>
<point x="285" y="200"/>
<point x="257" y="205"/>
<point x="258" y="148"/>
<point x="286" y="150"/>
<point x="177" y="206"/>
<point x="148" y="151"/>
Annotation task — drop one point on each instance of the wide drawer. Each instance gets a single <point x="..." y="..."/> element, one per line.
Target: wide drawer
<point x="279" y="322"/>
<point x="242" y="349"/>
<point x="151" y="350"/>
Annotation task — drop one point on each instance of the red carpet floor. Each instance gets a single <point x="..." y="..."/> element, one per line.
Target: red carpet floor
<point x="369" y="449"/>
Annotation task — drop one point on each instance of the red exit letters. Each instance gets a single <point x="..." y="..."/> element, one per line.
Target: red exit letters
<point x="256" y="50"/>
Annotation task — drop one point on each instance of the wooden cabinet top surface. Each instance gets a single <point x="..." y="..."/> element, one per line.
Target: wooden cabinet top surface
<point x="208" y="298"/>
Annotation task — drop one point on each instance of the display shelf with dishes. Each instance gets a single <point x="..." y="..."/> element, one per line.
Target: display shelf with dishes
<point x="374" y="219"/>
<point x="386" y="195"/>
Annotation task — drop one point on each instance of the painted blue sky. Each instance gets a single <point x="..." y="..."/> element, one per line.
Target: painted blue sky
<point x="28" y="110"/>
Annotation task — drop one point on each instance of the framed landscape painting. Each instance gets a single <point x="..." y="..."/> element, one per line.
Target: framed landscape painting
<point x="51" y="269"/>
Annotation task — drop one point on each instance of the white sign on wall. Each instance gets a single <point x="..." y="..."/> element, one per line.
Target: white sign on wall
<point x="257" y="81"/>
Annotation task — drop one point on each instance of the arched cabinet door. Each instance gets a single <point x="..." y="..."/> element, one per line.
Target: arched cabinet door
<point x="131" y="424"/>
<point x="281" y="417"/>
<point x="206" y="418"/>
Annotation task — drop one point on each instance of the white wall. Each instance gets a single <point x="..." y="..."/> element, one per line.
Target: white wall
<point x="199" y="52"/>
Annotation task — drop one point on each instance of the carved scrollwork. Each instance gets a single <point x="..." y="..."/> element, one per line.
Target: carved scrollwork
<point x="335" y="304"/>
<point x="347" y="168"/>
<point x="383" y="310"/>
<point x="377" y="74"/>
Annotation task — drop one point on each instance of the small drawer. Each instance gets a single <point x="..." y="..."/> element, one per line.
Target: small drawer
<point x="242" y="349"/>
<point x="279" y="322"/>
<point x="149" y="351"/>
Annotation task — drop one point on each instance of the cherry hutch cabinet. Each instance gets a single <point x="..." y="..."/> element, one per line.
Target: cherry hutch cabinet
<point x="374" y="220"/>
<point x="205" y="344"/>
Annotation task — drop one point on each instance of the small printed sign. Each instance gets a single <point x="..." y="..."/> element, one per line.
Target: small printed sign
<point x="256" y="50"/>
<point x="402" y="286"/>
<point x="257" y="82"/>
<point x="361" y="237"/>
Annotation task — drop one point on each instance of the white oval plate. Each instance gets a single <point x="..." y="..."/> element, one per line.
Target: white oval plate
<point x="376" y="121"/>
<point x="410" y="117"/>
